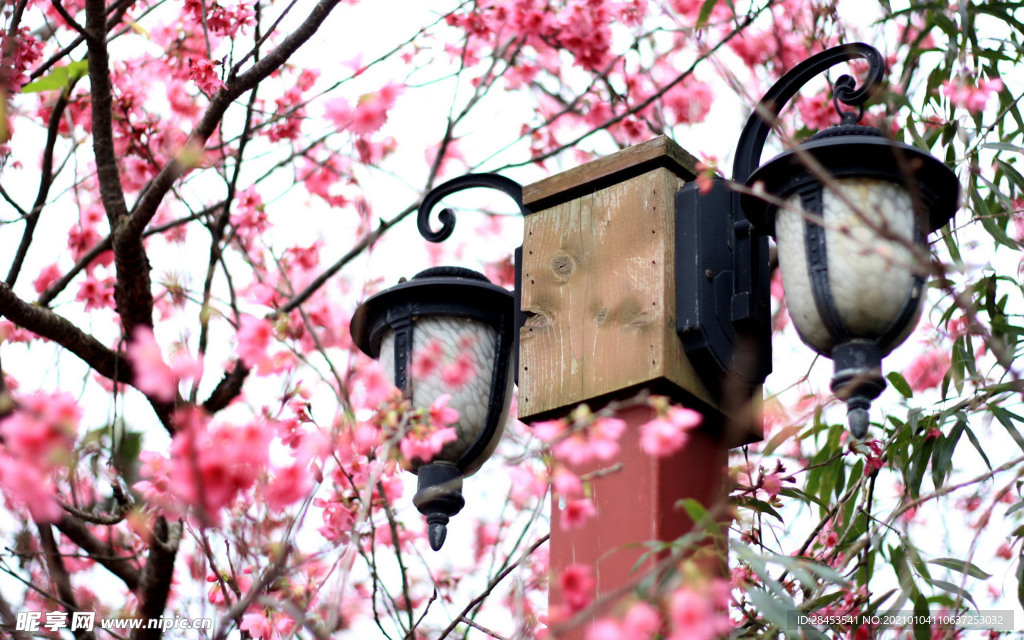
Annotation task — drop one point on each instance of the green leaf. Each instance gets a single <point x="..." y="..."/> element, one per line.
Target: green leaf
<point x="955" y="590"/>
<point x="962" y="566"/>
<point x="1020" y="577"/>
<point x="922" y="630"/>
<point x="900" y="384"/>
<point x="1003" y="146"/>
<point x="59" y="78"/>
<point x="705" y="13"/>
<point x="56" y="79"/>
<point x="1012" y="175"/>
<point x="781" y="437"/>
<point x="759" y="506"/>
<point x="773" y="607"/>
<point x="799" y="494"/>
<point x="1005" y="419"/>
<point x="977" y="445"/>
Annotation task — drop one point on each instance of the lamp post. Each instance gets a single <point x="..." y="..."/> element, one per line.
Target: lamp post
<point x="626" y="281"/>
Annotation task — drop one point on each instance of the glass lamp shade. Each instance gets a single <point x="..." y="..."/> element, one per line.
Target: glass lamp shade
<point x="454" y="355"/>
<point x="446" y="331"/>
<point x="868" y="227"/>
<point x="850" y="210"/>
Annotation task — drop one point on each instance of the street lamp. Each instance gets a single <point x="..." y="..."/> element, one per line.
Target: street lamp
<point x="461" y="313"/>
<point x="849" y="209"/>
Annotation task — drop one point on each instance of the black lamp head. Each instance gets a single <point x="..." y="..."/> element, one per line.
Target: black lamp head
<point x="459" y="312"/>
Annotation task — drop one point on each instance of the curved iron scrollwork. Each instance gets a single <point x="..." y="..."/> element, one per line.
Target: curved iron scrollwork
<point x="468" y="181"/>
<point x="846" y="91"/>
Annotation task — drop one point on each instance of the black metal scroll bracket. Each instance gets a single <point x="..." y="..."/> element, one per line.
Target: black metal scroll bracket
<point x="447" y="219"/>
<point x="468" y="181"/>
<point x="760" y="123"/>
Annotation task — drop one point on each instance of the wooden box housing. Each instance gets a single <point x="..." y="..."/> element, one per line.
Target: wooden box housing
<point x="598" y="283"/>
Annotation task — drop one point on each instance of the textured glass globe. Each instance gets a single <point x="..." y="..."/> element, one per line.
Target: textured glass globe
<point x="460" y="362"/>
<point x="869" y="229"/>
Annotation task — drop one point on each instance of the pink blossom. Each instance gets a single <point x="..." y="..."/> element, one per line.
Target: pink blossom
<point x="204" y="74"/>
<point x="688" y="102"/>
<point x="578" y="583"/>
<point x="641" y="622"/>
<point x="566" y="483"/>
<point x="772" y="484"/>
<point x="254" y="335"/>
<point x="597" y="441"/>
<point x="42" y="428"/>
<point x="96" y="293"/>
<point x="817" y="111"/>
<point x="457" y="373"/>
<point x="696" y="616"/>
<point x="288" y="486"/>
<point x="423" y="446"/>
<point x="576" y="513"/>
<point x="606" y="629"/>
<point x="152" y="375"/>
<point x="486" y="538"/>
<point x="25" y="483"/>
<point x="369" y="114"/>
<point x="441" y="415"/>
<point x="338" y="518"/>
<point x="427" y="359"/>
<point x="550" y="430"/>
<point x="927" y="370"/>
<point x="258" y="625"/>
<point x="962" y="91"/>
<point x="49" y="274"/>
<point x="666" y="435"/>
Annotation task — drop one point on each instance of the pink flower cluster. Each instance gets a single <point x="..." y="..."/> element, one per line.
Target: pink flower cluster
<point x="587" y="439"/>
<point x="963" y="91"/>
<point x="927" y="370"/>
<point x="688" y="612"/>
<point x="668" y="433"/>
<point x="369" y="113"/>
<point x="212" y="465"/>
<point x="153" y="376"/>
<point x="38" y="440"/>
<point x="429" y="431"/>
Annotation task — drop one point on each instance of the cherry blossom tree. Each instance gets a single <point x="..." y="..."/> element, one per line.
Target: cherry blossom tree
<point x="196" y="196"/>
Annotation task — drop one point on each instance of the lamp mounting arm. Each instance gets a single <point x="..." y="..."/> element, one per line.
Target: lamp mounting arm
<point x="759" y="124"/>
<point x="468" y="181"/>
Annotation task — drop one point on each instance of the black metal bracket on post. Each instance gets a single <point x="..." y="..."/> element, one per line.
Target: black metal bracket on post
<point x="722" y="310"/>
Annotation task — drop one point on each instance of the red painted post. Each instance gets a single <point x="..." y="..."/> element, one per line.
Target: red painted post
<point x="598" y="293"/>
<point x="637" y="504"/>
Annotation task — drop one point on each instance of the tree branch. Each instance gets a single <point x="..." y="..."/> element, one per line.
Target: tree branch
<point x="59" y="574"/>
<point x="133" y="293"/>
<point x="94" y="353"/>
<point x="54" y="327"/>
<point x="155" y="584"/>
<point x="45" y="180"/>
<point x="77" y="532"/>
<point x="227" y="389"/>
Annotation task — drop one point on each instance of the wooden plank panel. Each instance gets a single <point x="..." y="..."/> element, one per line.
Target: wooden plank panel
<point x="555" y="268"/>
<point x="599" y="293"/>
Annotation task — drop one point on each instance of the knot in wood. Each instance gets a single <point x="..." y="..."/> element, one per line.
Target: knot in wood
<point x="563" y="265"/>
